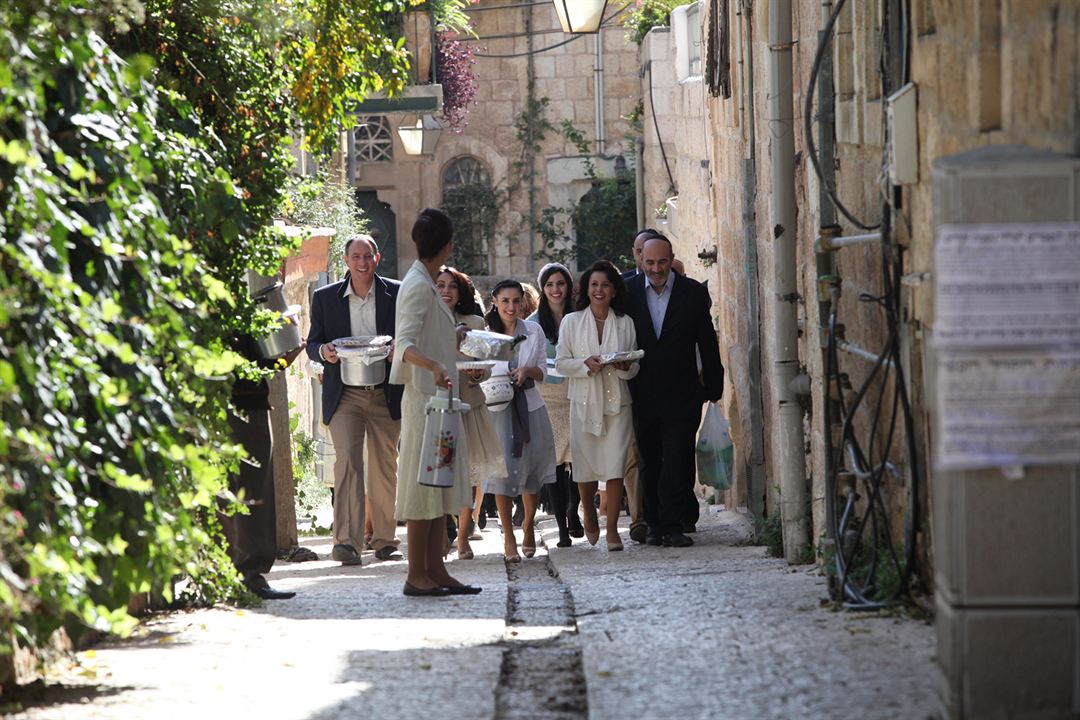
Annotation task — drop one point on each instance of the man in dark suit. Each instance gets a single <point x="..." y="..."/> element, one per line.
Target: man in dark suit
<point x="361" y="304"/>
<point x="671" y="317"/>
<point x="631" y="476"/>
<point x="251" y="539"/>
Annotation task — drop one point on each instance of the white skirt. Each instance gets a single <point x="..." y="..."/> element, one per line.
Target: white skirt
<point x="599" y="458"/>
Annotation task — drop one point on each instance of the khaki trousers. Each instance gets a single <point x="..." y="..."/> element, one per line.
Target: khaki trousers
<point x="362" y="416"/>
<point x="631" y="481"/>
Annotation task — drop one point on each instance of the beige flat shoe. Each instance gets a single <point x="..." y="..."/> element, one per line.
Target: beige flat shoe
<point x="592" y="535"/>
<point x="615" y="546"/>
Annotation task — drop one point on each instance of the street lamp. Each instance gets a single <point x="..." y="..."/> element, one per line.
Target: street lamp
<point x="580" y="16"/>
<point x="421" y="138"/>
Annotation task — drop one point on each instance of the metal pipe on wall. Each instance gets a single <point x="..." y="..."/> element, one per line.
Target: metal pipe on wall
<point x="639" y="180"/>
<point x="599" y="74"/>
<point x="756" y="477"/>
<point x="824" y="262"/>
<point x="791" y="465"/>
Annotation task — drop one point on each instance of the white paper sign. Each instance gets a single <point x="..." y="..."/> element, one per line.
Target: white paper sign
<point x="1007" y="285"/>
<point x="1008" y="408"/>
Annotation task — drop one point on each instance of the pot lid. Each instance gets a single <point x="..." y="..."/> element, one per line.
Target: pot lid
<point x="358" y="341"/>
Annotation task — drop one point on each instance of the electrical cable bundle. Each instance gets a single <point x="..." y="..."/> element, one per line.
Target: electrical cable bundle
<point x="864" y="547"/>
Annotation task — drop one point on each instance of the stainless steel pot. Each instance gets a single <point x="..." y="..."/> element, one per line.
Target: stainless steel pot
<point x="273" y="298"/>
<point x="258" y="283"/>
<point x="363" y="366"/>
<point x="283" y="340"/>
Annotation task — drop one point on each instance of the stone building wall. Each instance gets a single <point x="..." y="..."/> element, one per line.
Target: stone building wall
<point x="506" y="35"/>
<point x="987" y="73"/>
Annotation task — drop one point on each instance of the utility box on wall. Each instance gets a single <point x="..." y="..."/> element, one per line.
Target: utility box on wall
<point x="1007" y="532"/>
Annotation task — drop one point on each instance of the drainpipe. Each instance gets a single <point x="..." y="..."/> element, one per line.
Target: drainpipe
<point x="756" y="478"/>
<point x="599" y="74"/>
<point x="825" y="265"/>
<point x="791" y="462"/>
<point x="639" y="180"/>
<point x="530" y="70"/>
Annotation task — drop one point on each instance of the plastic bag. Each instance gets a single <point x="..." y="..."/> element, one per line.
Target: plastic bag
<point x="715" y="452"/>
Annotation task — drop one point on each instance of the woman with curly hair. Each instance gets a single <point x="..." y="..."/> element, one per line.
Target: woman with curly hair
<point x="600" y="417"/>
<point x="485" y="454"/>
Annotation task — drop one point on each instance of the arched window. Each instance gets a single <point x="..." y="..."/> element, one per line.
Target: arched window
<point x="372" y="139"/>
<point x="473" y="206"/>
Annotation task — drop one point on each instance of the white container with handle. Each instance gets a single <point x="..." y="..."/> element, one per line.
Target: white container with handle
<point x="443" y="431"/>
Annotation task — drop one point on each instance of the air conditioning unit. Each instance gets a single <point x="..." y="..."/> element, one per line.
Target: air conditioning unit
<point x="686" y="25"/>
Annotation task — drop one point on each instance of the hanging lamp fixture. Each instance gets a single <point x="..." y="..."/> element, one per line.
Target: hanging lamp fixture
<point x="580" y="16"/>
<point x="421" y="138"/>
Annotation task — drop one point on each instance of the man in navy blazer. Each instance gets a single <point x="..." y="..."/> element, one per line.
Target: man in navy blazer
<point x="671" y="317"/>
<point x="361" y="304"/>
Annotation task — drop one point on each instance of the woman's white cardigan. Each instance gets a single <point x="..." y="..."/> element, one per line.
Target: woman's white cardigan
<point x="606" y="392"/>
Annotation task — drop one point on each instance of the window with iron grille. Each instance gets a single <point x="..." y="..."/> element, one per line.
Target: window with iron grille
<point x="372" y="139"/>
<point x="473" y="206"/>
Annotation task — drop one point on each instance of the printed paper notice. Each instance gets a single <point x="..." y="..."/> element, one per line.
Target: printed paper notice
<point x="1008" y="408"/>
<point x="1007" y="285"/>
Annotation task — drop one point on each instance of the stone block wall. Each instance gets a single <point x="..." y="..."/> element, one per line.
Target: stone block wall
<point x="987" y="73"/>
<point x="509" y="37"/>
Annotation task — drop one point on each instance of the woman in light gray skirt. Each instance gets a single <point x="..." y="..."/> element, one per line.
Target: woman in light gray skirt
<point x="523" y="426"/>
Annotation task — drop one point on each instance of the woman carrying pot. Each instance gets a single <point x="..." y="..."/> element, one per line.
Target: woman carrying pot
<point x="523" y="426"/>
<point x="556" y="289"/>
<point x="485" y="456"/>
<point x="424" y="358"/>
<point x="600" y="417"/>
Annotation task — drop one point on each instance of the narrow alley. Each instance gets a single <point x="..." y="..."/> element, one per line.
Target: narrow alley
<point x="717" y="630"/>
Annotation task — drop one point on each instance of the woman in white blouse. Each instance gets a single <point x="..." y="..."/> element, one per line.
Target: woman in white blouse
<point x="600" y="417"/>
<point x="522" y="425"/>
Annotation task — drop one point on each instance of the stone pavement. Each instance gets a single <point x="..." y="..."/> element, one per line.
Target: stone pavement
<point x="718" y="630"/>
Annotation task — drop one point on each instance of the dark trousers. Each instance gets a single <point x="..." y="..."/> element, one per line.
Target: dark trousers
<point x="666" y="451"/>
<point x="252" y="538"/>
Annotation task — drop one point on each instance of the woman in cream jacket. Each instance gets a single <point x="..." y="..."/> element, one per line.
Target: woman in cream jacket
<point x="601" y="424"/>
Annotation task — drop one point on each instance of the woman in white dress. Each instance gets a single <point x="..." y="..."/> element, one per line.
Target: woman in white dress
<point x="523" y="426"/>
<point x="600" y="417"/>
<point x="425" y="355"/>
<point x="485" y="453"/>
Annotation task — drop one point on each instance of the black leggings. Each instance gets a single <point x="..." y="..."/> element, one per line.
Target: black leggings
<point x="563" y="496"/>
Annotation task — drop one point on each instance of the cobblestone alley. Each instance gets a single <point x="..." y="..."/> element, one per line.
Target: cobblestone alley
<point x="717" y="630"/>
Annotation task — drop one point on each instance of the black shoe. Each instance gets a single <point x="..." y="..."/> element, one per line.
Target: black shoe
<point x="564" y="539"/>
<point x="388" y="552"/>
<point x="258" y="585"/>
<point x="345" y="554"/>
<point x="463" y="589"/>
<point x="413" y="591"/>
<point x="573" y="524"/>
<point x="677" y="540"/>
<point x="688" y="527"/>
<point x="653" y="538"/>
<point x="481" y="522"/>
<point x="639" y="533"/>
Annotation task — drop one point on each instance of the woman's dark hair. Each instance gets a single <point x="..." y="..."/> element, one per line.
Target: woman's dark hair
<point x="493" y="320"/>
<point x="618" y="303"/>
<point x="431" y="232"/>
<point x="547" y="320"/>
<point x="466" y="304"/>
